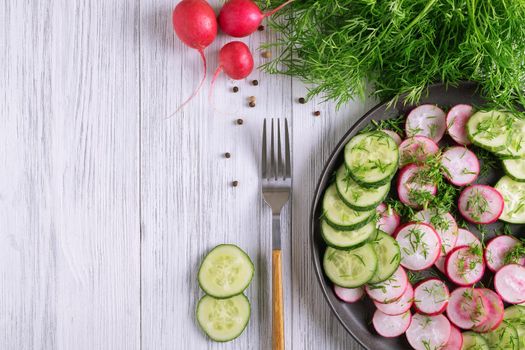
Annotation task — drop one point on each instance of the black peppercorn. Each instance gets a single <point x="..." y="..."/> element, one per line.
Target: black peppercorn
<point x="302" y="100"/>
<point x="260" y="28"/>
<point x="317" y="113"/>
<point x="235" y="89"/>
<point x="227" y="155"/>
<point x="240" y="121"/>
<point x="235" y="183"/>
<point x="252" y="104"/>
<point x="255" y="82"/>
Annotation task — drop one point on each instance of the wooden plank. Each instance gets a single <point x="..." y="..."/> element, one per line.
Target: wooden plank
<point x="189" y="204"/>
<point x="69" y="213"/>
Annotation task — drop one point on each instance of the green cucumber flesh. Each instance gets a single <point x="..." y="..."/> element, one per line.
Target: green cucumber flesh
<point x="226" y="271"/>
<point x="513" y="193"/>
<point x="223" y="319"/>
<point x="504" y="337"/>
<point x="354" y="195"/>
<point x="372" y="158"/>
<point x="341" y="216"/>
<point x="515" y="169"/>
<point x="388" y="256"/>
<point x="515" y="313"/>
<point x="489" y="129"/>
<point x="474" y="341"/>
<point x="350" y="268"/>
<point x="347" y="239"/>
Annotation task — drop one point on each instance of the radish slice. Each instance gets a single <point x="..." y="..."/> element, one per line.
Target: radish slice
<point x="390" y="326"/>
<point x="440" y="263"/>
<point x="445" y="226"/>
<point x="467" y="307"/>
<point x="409" y="183"/>
<point x="416" y="149"/>
<point x="480" y="204"/>
<point x="390" y="290"/>
<point x="457" y="119"/>
<point x="431" y="296"/>
<point x="455" y="342"/>
<point x="420" y="246"/>
<point x="495" y="311"/>
<point x="394" y="135"/>
<point x="461" y="166"/>
<point x="401" y="305"/>
<point x="428" y="332"/>
<point x="497" y="249"/>
<point x="465" y="237"/>
<point x="349" y="295"/>
<point x="388" y="219"/>
<point x="426" y="120"/>
<point x="509" y="282"/>
<point x="464" y="265"/>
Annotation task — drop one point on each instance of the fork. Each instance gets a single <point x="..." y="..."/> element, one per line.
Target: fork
<point x="276" y="185"/>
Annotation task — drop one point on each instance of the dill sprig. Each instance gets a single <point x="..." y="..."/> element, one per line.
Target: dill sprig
<point x="344" y="48"/>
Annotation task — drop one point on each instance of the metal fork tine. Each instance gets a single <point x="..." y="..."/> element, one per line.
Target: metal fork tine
<point x="263" y="160"/>
<point x="287" y="156"/>
<point x="280" y="168"/>
<point x="273" y="169"/>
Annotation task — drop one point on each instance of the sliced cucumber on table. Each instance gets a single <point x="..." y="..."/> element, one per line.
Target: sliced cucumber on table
<point x="226" y="271"/>
<point x="515" y="315"/>
<point x="515" y="148"/>
<point x="344" y="239"/>
<point x="350" y="268"/>
<point x="388" y="256"/>
<point x="505" y="337"/>
<point x="513" y="193"/>
<point x="515" y="169"/>
<point x="489" y="129"/>
<point x="356" y="196"/>
<point x="340" y="216"/>
<point x="223" y="319"/>
<point x="372" y="158"/>
<point x="474" y="341"/>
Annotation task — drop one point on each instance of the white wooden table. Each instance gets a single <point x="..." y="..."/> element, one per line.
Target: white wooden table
<point x="106" y="208"/>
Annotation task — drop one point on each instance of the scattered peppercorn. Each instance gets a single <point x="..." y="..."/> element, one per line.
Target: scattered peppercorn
<point x="235" y="183"/>
<point x="235" y="89"/>
<point x="302" y="100"/>
<point x="260" y="28"/>
<point x="240" y="121"/>
<point x="252" y="99"/>
<point x="227" y="155"/>
<point x="266" y="54"/>
<point x="317" y="113"/>
<point x="251" y="104"/>
<point x="255" y="82"/>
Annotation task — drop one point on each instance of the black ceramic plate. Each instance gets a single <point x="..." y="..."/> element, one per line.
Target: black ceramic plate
<point x="356" y="318"/>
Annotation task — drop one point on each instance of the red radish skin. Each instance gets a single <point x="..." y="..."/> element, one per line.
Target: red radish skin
<point x="390" y="326"/>
<point x="464" y="267"/>
<point x="390" y="290"/>
<point x="509" y="282"/>
<point x="445" y="226"/>
<point x="195" y="24"/>
<point x="497" y="249"/>
<point x="406" y="184"/>
<point x="455" y="341"/>
<point x="457" y="119"/>
<point x="240" y="18"/>
<point x="461" y="166"/>
<point x="416" y="149"/>
<point x="428" y="332"/>
<point x="400" y="306"/>
<point x="426" y="120"/>
<point x="480" y="204"/>
<point x="440" y="263"/>
<point x="388" y="219"/>
<point x="467" y="307"/>
<point x="236" y="60"/>
<point x="394" y="135"/>
<point x="422" y="255"/>
<point x="431" y="296"/>
<point x="349" y="295"/>
<point x="495" y="311"/>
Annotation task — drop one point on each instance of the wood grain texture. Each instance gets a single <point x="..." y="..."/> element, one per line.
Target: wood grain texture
<point x="277" y="302"/>
<point x="69" y="210"/>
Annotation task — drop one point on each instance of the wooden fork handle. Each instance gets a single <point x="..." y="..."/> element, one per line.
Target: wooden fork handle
<point x="277" y="298"/>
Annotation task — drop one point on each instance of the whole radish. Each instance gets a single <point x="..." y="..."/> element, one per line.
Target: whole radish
<point x="236" y="60"/>
<point x="240" y="18"/>
<point x="196" y="26"/>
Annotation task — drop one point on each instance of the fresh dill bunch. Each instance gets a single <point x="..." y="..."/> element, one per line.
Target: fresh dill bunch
<point x="342" y="48"/>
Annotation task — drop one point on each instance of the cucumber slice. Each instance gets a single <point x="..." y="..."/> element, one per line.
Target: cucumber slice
<point x="504" y="337"/>
<point x="515" y="140"/>
<point x="513" y="193"/>
<point x="388" y="256"/>
<point x="515" y="313"/>
<point x="489" y="130"/>
<point x="358" y="197"/>
<point x="226" y="271"/>
<point x="347" y="239"/>
<point x="515" y="169"/>
<point x="372" y="158"/>
<point x="342" y="217"/>
<point x="474" y="341"/>
<point x="223" y="319"/>
<point x="520" y="328"/>
<point x="350" y="268"/>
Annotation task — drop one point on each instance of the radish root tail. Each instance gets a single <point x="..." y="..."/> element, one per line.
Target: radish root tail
<point x="215" y="75"/>
<point x="269" y="13"/>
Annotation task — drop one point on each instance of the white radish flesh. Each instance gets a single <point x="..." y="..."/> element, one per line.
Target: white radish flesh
<point x="409" y="182"/>
<point x="445" y="226"/>
<point x="416" y="149"/>
<point x="431" y="296"/>
<point x="349" y="295"/>
<point x="390" y="290"/>
<point x="461" y="166"/>
<point x="480" y="204"/>
<point x="394" y="135"/>
<point x="464" y="265"/>
<point x="420" y="246"/>
<point x="467" y="307"/>
<point x="509" y="282"/>
<point x="457" y="118"/>
<point x="497" y="249"/>
<point x="401" y="305"/>
<point x="426" y="120"/>
<point x="465" y="237"/>
<point x="388" y="219"/>
<point x="390" y="326"/>
<point x="428" y="332"/>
